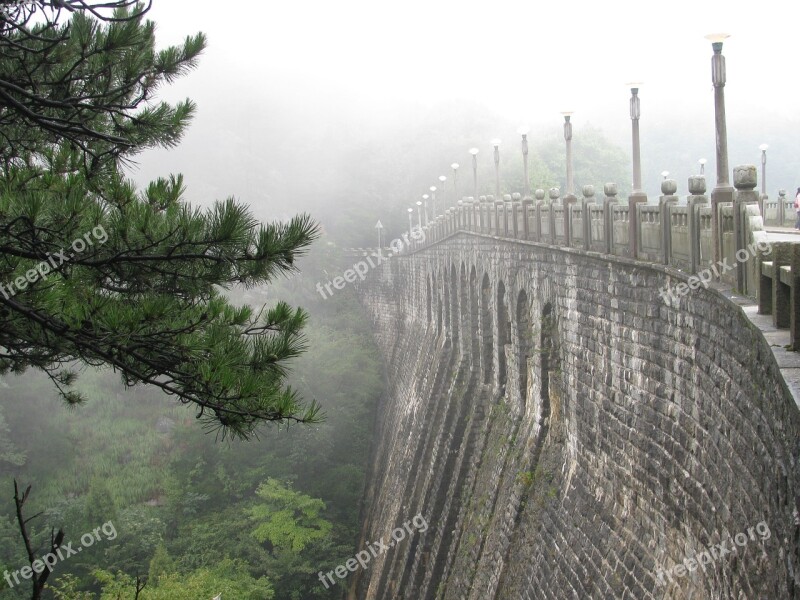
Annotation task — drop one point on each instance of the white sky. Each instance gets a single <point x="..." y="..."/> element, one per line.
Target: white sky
<point x="525" y="59"/>
<point x="366" y="62"/>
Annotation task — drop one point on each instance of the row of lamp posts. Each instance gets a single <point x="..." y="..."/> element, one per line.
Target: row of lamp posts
<point x="722" y="192"/>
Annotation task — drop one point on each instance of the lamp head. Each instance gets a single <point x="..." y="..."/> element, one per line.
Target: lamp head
<point x="634" y="85"/>
<point x="442" y="178"/>
<point x="432" y="188"/>
<point x="425" y="196"/>
<point x="410" y="210"/>
<point x="474" y="151"/>
<point x="454" y="166"/>
<point x="419" y="203"/>
<point x="495" y="142"/>
<point x="523" y="130"/>
<point x="702" y="161"/>
<point x="763" y="147"/>
<point x="664" y="174"/>
<point x="716" y="40"/>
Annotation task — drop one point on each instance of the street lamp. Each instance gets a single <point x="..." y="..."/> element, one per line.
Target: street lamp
<point x="723" y="192"/>
<point x="455" y="166"/>
<point x="443" y="189"/>
<point x="425" y="200"/>
<point x="665" y="174"/>
<point x="410" y="224"/>
<point x="568" y="140"/>
<point x="763" y="148"/>
<point x="702" y="162"/>
<point x="433" y="201"/>
<point x="523" y="131"/>
<point x="637" y="155"/>
<point x="474" y="152"/>
<point x="419" y="214"/>
<point x="496" y="144"/>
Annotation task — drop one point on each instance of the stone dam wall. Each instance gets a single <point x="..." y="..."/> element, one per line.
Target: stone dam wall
<point x="567" y="432"/>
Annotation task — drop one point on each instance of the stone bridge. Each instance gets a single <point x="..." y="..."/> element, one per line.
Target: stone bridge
<point x="575" y="416"/>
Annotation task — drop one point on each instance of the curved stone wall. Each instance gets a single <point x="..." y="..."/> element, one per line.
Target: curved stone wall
<point x="567" y="434"/>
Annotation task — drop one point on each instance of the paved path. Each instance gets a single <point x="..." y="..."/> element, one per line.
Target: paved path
<point x="782" y="234"/>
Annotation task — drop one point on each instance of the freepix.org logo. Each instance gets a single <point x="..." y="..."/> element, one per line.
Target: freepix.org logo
<point x="53" y="262"/>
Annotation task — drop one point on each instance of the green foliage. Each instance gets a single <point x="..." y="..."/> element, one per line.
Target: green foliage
<point x="161" y="565"/>
<point x="137" y="279"/>
<point x="288" y="520"/>
<point x="229" y="578"/>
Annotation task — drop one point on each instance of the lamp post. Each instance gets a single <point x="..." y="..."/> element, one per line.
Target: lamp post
<point x="523" y="131"/>
<point x="763" y="148"/>
<point x="443" y="190"/>
<point x="455" y="166"/>
<point x="410" y="223"/>
<point x="496" y="144"/>
<point x="474" y="152"/>
<point x="636" y="112"/>
<point x="433" y="201"/>
<point x="419" y="214"/>
<point x="702" y="162"/>
<point x="425" y="200"/>
<point x="568" y="140"/>
<point x="722" y="192"/>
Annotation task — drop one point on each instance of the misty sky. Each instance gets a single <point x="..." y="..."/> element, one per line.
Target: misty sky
<point x="350" y="68"/>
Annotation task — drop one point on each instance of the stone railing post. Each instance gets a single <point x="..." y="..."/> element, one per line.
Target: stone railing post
<point x="516" y="204"/>
<point x="537" y="216"/>
<point x="526" y="208"/>
<point x="491" y="215"/>
<point x="499" y="207"/>
<point x="668" y="189"/>
<point x="588" y="198"/>
<point x="460" y="214"/>
<point x="696" y="198"/>
<point x="482" y="217"/>
<point x="610" y="191"/>
<point x="745" y="180"/>
<point x="506" y="208"/>
<point x="567" y="201"/>
<point x="554" y="195"/>
<point x="633" y="221"/>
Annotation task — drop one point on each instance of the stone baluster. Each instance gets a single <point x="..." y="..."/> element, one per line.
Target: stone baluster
<point x="745" y="180"/>
<point x="536" y="230"/>
<point x="588" y="198"/>
<point x="696" y="199"/>
<point x="610" y="192"/>
<point x="668" y="197"/>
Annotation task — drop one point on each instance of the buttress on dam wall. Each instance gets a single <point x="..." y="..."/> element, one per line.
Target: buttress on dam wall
<point x="567" y="432"/>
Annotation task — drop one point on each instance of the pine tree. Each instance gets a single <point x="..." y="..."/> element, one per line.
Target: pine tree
<point x="94" y="271"/>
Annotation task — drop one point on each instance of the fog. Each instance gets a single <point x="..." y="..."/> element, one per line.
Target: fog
<point x="317" y="106"/>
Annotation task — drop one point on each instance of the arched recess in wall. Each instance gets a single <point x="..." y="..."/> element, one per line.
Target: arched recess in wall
<point x="429" y="312"/>
<point x="463" y="301"/>
<point x="524" y="341"/>
<point x="474" y="303"/>
<point x="548" y="357"/>
<point x="437" y="299"/>
<point x="503" y="334"/>
<point x="446" y="302"/>
<point x="454" y="324"/>
<point x="486" y="329"/>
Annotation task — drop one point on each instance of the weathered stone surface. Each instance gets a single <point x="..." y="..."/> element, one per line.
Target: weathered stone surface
<point x="567" y="434"/>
